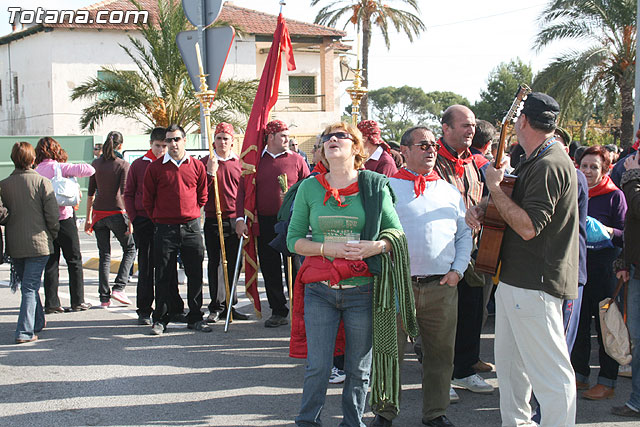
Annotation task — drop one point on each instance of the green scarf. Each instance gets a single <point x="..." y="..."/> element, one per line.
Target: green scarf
<point x="391" y="286"/>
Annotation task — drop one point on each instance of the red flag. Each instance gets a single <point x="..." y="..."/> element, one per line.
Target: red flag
<point x="253" y="144"/>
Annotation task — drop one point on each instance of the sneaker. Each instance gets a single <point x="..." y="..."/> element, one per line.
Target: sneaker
<point x="81" y="307"/>
<point x="474" y="383"/>
<point x="274" y="321"/>
<point x="121" y="297"/>
<point x="213" y="317"/>
<point x="144" y="320"/>
<point x="337" y="376"/>
<point x="157" y="329"/>
<point x="624" y="371"/>
<point x="453" y="396"/>
<point x="625" y="411"/>
<point x="105" y="304"/>
<point x="200" y="326"/>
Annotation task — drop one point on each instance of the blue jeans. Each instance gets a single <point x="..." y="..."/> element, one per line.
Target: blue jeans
<point x="324" y="307"/>
<point x="31" y="317"/>
<point x="633" y="323"/>
<point x="119" y="225"/>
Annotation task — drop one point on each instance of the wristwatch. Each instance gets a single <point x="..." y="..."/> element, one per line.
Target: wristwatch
<point x="384" y="246"/>
<point x="460" y="275"/>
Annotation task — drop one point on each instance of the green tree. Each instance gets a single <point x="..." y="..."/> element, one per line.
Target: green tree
<point x="159" y="92"/>
<point x="399" y="108"/>
<point x="366" y="14"/>
<point x="605" y="68"/>
<point x="502" y="86"/>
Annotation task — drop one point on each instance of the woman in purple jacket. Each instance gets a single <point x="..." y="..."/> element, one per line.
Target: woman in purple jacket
<point x="50" y="156"/>
<point x="607" y="208"/>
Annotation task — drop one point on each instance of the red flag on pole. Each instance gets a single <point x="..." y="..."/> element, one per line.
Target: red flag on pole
<point x="253" y="144"/>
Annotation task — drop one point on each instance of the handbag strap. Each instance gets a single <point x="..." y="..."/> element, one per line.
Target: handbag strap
<point x="621" y="283"/>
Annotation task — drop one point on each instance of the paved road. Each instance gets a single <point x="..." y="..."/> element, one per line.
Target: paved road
<point x="99" y="368"/>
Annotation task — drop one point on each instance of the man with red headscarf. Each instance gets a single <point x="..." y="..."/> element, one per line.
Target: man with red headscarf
<point x="380" y="159"/>
<point x="228" y="170"/>
<point x="276" y="160"/>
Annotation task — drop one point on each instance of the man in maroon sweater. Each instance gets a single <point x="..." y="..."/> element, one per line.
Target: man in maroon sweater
<point x="229" y="170"/>
<point x="174" y="190"/>
<point x="380" y="159"/>
<point x="143" y="232"/>
<point x="276" y="160"/>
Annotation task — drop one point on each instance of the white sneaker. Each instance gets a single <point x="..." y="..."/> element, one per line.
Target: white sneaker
<point x="337" y="376"/>
<point x="474" y="383"/>
<point x="453" y="396"/>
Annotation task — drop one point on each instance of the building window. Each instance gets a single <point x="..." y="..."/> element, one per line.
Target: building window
<point x="302" y="89"/>
<point x="16" y="100"/>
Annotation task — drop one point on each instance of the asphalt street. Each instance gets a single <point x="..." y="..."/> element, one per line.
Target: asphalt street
<point x="99" y="368"/>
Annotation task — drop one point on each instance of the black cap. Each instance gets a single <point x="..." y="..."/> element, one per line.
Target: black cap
<point x="537" y="104"/>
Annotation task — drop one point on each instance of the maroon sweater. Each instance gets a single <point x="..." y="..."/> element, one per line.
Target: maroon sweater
<point x="229" y="172"/>
<point x="174" y="195"/>
<point x="268" y="192"/>
<point x="384" y="165"/>
<point x="109" y="182"/>
<point x="133" y="188"/>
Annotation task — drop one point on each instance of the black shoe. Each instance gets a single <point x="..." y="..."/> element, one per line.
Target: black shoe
<point x="274" y="321"/>
<point x="625" y="411"/>
<point x="81" y="307"/>
<point x="178" y="318"/>
<point x="441" y="421"/>
<point x="200" y="326"/>
<point x="380" y="421"/>
<point x="53" y="310"/>
<point x="236" y="315"/>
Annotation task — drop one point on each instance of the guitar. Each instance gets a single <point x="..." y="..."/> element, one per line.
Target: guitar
<point x="493" y="225"/>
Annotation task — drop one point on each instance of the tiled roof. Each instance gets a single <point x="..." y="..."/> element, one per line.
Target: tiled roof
<point x="250" y="21"/>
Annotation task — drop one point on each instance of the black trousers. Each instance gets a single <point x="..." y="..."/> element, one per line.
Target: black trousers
<point x="468" y="329"/>
<point x="601" y="283"/>
<point x="168" y="240"/>
<point x="271" y="266"/>
<point x="143" y="235"/>
<point x="212" y="243"/>
<point x="69" y="243"/>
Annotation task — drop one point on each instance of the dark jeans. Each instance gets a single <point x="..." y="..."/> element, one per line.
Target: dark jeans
<point x="69" y="243"/>
<point x="118" y="225"/>
<point x="143" y="235"/>
<point x="468" y="329"/>
<point x="601" y="283"/>
<point x="212" y="243"/>
<point x="271" y="266"/>
<point x="168" y="240"/>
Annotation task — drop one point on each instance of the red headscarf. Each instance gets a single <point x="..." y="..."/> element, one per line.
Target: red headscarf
<point x="419" y="181"/>
<point x="224" y="128"/>
<point x="335" y="193"/>
<point x="371" y="131"/>
<point x="605" y="186"/>
<point x="275" y="126"/>
<point x="457" y="161"/>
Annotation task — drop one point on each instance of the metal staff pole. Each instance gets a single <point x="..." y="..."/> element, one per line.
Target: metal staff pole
<point x="206" y="97"/>
<point x="236" y="276"/>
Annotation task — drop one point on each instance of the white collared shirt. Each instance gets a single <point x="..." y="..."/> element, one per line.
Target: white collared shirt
<point x="376" y="154"/>
<point x="275" y="156"/>
<point x="168" y="158"/>
<point x="230" y="157"/>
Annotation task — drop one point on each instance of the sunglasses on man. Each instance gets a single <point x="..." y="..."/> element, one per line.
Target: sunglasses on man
<point x="172" y="139"/>
<point x="425" y="145"/>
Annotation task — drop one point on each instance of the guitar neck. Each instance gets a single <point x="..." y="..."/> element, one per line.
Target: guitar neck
<point x="503" y="137"/>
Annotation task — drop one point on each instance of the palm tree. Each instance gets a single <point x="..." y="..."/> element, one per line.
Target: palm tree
<point x="605" y="67"/>
<point x="159" y="92"/>
<point x="365" y="14"/>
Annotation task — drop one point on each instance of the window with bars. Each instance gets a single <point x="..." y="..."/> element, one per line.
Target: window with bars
<point x="302" y="89"/>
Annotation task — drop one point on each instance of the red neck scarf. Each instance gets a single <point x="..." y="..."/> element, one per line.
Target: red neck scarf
<point x="458" y="162"/>
<point x="150" y="155"/>
<point x="319" y="168"/>
<point x="605" y="186"/>
<point x="419" y="181"/>
<point x="332" y="192"/>
<point x="636" y="145"/>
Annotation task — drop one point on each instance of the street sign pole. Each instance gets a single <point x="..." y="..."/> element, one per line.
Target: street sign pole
<point x="203" y="52"/>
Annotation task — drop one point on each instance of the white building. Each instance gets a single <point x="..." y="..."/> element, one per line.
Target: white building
<point x="42" y="63"/>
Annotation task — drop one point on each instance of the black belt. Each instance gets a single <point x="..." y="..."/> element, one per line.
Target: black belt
<point x="426" y="279"/>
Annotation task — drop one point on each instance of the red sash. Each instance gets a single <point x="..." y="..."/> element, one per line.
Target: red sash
<point x="319" y="168"/>
<point x="419" y="181"/>
<point x="335" y="193"/>
<point x="605" y="186"/>
<point x="457" y="161"/>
